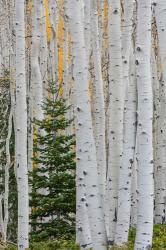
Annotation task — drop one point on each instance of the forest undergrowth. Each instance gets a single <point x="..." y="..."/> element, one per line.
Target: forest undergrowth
<point x="159" y="242"/>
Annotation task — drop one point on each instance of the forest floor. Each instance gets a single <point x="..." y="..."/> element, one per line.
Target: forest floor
<point x="159" y="242"/>
<point x="159" y="239"/>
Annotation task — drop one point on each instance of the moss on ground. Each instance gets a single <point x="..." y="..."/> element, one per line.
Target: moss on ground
<point x="159" y="242"/>
<point x="159" y="239"/>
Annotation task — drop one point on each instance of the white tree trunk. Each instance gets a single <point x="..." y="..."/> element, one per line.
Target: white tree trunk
<point x="36" y="76"/>
<point x="145" y="117"/>
<point x="8" y="163"/>
<point x="160" y="170"/>
<point x="86" y="150"/>
<point x="83" y="234"/>
<point x="116" y="108"/>
<point x="43" y="50"/>
<point x="21" y="129"/>
<point x="124" y="197"/>
<point x="53" y="52"/>
<point x="134" y="193"/>
<point x="99" y="109"/>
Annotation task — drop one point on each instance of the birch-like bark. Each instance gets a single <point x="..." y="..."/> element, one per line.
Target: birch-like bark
<point x="134" y="193"/>
<point x="21" y="129"/>
<point x="145" y="116"/>
<point x="116" y="108"/>
<point x="85" y="144"/>
<point x="53" y="52"/>
<point x="124" y="193"/>
<point x="36" y="76"/>
<point x="43" y="50"/>
<point x="99" y="109"/>
<point x="160" y="187"/>
<point x="124" y="196"/>
<point x="87" y="26"/>
<point x="101" y="22"/>
<point x="83" y="234"/>
<point x="8" y="163"/>
<point x="158" y="143"/>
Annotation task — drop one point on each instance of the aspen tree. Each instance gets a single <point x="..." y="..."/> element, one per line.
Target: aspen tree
<point x="116" y="108"/>
<point x="160" y="189"/>
<point x="134" y="191"/>
<point x="124" y="197"/>
<point x="43" y="49"/>
<point x="99" y="109"/>
<point x="85" y="144"/>
<point x="21" y="128"/>
<point x="53" y="49"/>
<point x="66" y="74"/>
<point x="101" y="22"/>
<point x="36" y="76"/>
<point x="158" y="143"/>
<point x="83" y="234"/>
<point x="87" y="27"/>
<point x="8" y="162"/>
<point x="123" y="215"/>
<point x="145" y="115"/>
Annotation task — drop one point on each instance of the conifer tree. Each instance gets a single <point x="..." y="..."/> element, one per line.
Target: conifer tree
<point x="53" y="183"/>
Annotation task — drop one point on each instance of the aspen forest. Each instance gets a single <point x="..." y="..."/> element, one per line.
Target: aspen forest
<point x="83" y="124"/>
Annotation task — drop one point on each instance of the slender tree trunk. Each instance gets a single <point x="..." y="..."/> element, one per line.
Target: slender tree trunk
<point x="116" y="108"/>
<point x="43" y="50"/>
<point x="160" y="188"/>
<point x="86" y="150"/>
<point x="83" y="234"/>
<point x="99" y="109"/>
<point x="124" y="197"/>
<point x="145" y="117"/>
<point x="21" y="129"/>
<point x="36" y="76"/>
<point x="8" y="163"/>
<point x="53" y="52"/>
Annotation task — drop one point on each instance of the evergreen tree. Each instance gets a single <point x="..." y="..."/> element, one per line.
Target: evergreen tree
<point x="53" y="175"/>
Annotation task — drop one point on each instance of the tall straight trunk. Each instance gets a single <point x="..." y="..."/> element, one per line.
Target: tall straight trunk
<point x="43" y="50"/>
<point x="83" y="234"/>
<point x="99" y="108"/>
<point x="53" y="49"/>
<point x="7" y="167"/>
<point x="87" y="27"/>
<point x="85" y="143"/>
<point x="160" y="187"/>
<point x="134" y="194"/>
<point x="124" y="196"/>
<point x="159" y="143"/>
<point x="36" y="76"/>
<point x="124" y="192"/>
<point x="116" y="108"/>
<point x="21" y="129"/>
<point x="145" y="116"/>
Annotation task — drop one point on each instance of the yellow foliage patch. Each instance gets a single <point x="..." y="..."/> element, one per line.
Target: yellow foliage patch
<point x="48" y="25"/>
<point x="60" y="45"/>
